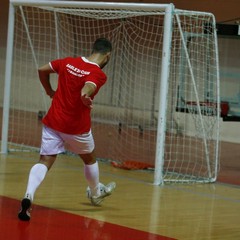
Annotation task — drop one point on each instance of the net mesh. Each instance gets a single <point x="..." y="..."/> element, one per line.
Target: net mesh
<point x="125" y="113"/>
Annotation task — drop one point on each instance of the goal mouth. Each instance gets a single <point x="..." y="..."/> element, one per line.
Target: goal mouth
<point x="163" y="60"/>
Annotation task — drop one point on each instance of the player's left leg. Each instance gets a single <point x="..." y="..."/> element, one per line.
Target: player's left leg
<point x="52" y="144"/>
<point x="36" y="176"/>
<point x="38" y="173"/>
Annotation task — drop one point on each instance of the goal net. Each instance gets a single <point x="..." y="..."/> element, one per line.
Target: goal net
<point x="160" y="105"/>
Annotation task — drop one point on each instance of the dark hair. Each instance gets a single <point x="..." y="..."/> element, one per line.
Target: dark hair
<point x="102" y="45"/>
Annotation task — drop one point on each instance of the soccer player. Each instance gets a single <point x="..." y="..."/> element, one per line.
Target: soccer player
<point x="68" y="120"/>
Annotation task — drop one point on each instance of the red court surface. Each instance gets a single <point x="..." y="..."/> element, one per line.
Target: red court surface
<point x="50" y="224"/>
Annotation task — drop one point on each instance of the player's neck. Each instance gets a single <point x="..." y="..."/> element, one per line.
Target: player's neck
<point x="96" y="58"/>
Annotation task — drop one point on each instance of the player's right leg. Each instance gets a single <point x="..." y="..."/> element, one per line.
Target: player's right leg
<point x="96" y="191"/>
<point x="83" y="145"/>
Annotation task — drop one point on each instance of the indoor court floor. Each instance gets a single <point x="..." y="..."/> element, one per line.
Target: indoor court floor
<point x="137" y="210"/>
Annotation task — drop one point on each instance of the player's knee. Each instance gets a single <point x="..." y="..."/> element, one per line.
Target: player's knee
<point x="47" y="160"/>
<point x="88" y="158"/>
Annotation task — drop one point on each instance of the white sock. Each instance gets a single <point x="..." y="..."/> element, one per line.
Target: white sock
<point x="91" y="173"/>
<point x="36" y="176"/>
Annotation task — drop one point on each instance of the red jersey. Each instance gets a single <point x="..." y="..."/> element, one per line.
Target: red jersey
<point x="67" y="113"/>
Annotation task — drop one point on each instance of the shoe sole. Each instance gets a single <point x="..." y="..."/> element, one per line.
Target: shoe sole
<point x="24" y="214"/>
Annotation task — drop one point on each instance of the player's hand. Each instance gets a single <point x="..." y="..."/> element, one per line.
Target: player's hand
<point x="87" y="101"/>
<point x="51" y="93"/>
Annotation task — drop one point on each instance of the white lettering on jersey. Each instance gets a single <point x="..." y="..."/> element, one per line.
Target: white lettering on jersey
<point x="76" y="71"/>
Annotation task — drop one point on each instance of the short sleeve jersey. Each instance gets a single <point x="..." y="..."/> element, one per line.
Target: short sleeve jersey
<point x="67" y="113"/>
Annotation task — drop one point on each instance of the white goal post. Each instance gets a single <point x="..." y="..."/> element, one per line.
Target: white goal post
<point x="160" y="105"/>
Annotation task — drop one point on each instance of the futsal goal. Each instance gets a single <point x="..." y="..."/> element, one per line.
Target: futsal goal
<point x="160" y="106"/>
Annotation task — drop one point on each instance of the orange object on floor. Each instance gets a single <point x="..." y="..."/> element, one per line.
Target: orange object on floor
<point x="131" y="165"/>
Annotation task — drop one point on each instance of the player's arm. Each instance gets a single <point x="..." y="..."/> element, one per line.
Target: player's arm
<point x="44" y="76"/>
<point x="86" y="93"/>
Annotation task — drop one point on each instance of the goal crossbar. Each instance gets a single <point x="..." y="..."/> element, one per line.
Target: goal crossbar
<point x="90" y="4"/>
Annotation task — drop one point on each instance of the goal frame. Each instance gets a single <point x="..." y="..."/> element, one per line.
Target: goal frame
<point x="165" y="65"/>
